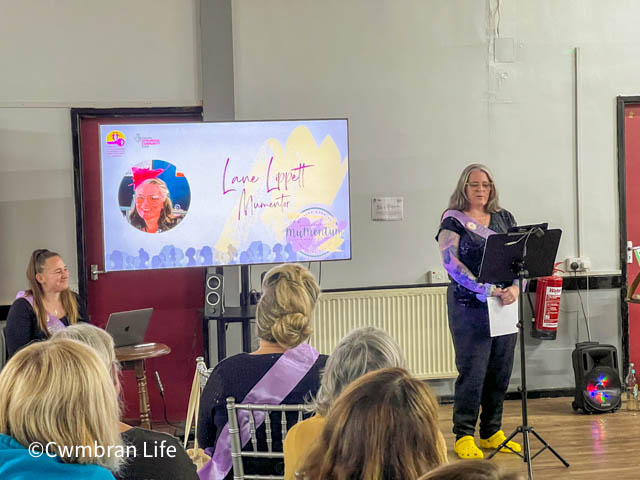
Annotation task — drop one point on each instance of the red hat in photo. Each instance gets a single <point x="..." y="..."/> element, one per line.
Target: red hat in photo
<point x="142" y="174"/>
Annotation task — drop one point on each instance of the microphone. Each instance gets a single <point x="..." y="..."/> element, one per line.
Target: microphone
<point x="164" y="403"/>
<point x="159" y="384"/>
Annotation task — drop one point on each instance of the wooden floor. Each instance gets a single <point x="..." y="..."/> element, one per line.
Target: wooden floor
<point x="593" y="445"/>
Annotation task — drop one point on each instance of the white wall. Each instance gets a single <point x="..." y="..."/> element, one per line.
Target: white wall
<point x="410" y="76"/>
<point x="60" y="54"/>
<point x="425" y="96"/>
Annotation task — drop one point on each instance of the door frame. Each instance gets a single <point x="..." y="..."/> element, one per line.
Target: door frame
<point x="77" y="115"/>
<point x="623" y="102"/>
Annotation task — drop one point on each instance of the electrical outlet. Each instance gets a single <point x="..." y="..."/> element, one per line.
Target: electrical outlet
<point x="437" y="276"/>
<point x="572" y="264"/>
<point x="577" y="264"/>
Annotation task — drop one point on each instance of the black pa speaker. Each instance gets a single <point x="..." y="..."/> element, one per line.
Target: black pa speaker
<point x="213" y="293"/>
<point x="598" y="386"/>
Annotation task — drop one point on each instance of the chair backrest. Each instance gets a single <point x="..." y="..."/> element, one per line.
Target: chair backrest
<point x="3" y="345"/>
<point x="203" y="372"/>
<point x="236" y="443"/>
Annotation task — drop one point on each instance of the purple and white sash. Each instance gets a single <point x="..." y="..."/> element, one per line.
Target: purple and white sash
<point x="53" y="323"/>
<point x="271" y="389"/>
<point x="473" y="226"/>
<point x="469" y="223"/>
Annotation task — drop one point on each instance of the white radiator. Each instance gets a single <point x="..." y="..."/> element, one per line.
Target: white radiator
<point x="415" y="317"/>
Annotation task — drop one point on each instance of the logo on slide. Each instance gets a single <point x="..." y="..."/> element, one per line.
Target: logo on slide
<point x="115" y="137"/>
<point x="315" y="233"/>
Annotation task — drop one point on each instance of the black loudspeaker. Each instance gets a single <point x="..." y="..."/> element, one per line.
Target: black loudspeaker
<point x="598" y="386"/>
<point x="213" y="293"/>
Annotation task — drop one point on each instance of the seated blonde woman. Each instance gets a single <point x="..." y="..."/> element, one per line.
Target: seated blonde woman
<point x="362" y="351"/>
<point x="58" y="398"/>
<point x="283" y="370"/>
<point x="384" y="426"/>
<point x="141" y="461"/>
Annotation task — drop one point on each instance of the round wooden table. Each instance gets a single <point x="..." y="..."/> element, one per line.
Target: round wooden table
<point x="132" y="358"/>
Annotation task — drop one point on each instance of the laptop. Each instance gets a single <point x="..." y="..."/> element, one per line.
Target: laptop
<point x="129" y="328"/>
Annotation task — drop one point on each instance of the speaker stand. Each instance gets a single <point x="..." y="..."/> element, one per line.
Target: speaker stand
<point x="242" y="314"/>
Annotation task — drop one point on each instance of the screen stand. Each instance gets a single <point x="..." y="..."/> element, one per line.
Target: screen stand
<point x="244" y="285"/>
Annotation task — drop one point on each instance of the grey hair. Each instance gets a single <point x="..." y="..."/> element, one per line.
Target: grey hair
<point x="362" y="351"/>
<point x="96" y="338"/>
<point x="459" y="200"/>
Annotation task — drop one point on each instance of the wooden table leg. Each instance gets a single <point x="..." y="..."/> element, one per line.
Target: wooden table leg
<point x="143" y="395"/>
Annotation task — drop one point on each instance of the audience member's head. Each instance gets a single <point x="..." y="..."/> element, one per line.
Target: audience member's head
<point x="362" y="351"/>
<point x="59" y="392"/>
<point x="97" y="339"/>
<point x="47" y="274"/>
<point x="471" y="470"/>
<point x="383" y="426"/>
<point x="285" y="310"/>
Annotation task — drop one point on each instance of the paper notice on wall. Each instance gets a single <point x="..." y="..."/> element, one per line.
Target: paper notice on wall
<point x="387" y="208"/>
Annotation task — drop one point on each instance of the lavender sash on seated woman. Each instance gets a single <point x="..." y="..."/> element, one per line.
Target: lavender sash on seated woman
<point x="53" y="323"/>
<point x="271" y="389"/>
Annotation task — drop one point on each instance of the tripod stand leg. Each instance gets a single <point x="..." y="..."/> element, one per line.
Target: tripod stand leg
<point x="546" y="445"/>
<point x="504" y="444"/>
<point x="527" y="452"/>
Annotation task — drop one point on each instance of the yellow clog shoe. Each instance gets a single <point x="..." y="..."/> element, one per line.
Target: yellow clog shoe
<point x="495" y="440"/>
<point x="466" y="448"/>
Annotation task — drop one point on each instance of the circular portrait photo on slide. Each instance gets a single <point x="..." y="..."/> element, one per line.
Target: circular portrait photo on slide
<point x="154" y="197"/>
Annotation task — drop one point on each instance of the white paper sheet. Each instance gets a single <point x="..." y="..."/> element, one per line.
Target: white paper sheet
<point x="503" y="319"/>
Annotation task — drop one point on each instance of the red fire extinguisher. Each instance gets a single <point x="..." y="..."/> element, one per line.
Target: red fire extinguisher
<point x="547" y="311"/>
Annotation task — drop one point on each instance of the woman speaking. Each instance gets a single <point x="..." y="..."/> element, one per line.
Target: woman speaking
<point x="484" y="363"/>
<point x="47" y="306"/>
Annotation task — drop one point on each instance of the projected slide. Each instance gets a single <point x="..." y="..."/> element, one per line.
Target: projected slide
<point x="202" y="194"/>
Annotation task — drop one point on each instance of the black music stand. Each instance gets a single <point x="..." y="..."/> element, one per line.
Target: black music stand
<point x="521" y="255"/>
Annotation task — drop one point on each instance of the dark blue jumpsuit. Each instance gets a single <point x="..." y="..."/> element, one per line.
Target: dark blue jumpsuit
<point x="484" y="363"/>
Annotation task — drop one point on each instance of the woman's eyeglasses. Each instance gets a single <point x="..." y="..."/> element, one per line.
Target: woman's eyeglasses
<point x="152" y="198"/>
<point x="477" y="185"/>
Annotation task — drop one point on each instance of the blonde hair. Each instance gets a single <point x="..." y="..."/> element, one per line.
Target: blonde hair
<point x="285" y="310"/>
<point x="97" y="339"/>
<point x="384" y="425"/>
<point x="67" y="298"/>
<point x="167" y="219"/>
<point x="459" y="200"/>
<point x="59" y="392"/>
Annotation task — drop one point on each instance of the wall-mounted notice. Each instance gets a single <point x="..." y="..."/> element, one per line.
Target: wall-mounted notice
<point x="387" y="208"/>
<point x="200" y="194"/>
